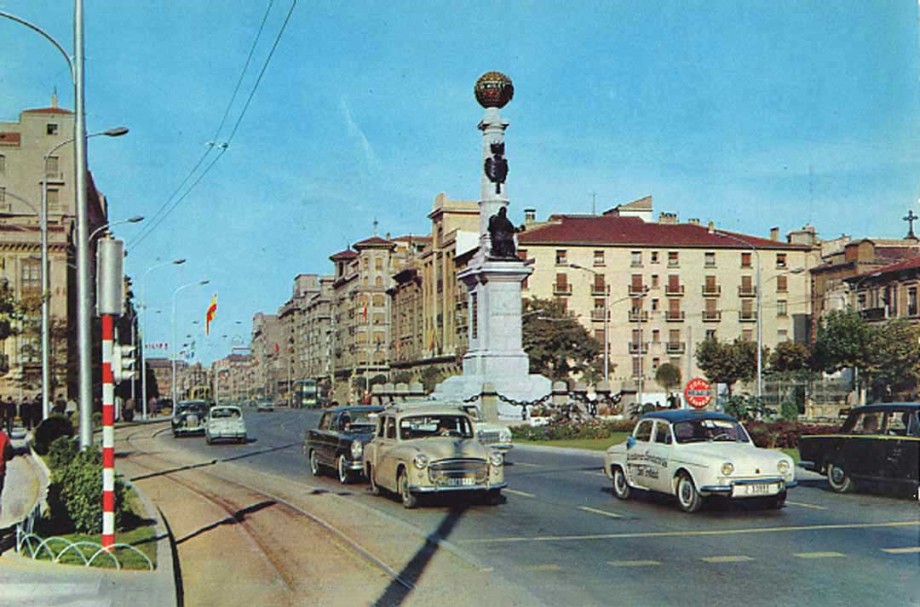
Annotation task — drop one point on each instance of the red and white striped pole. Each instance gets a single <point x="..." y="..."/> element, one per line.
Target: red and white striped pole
<point x="108" y="434"/>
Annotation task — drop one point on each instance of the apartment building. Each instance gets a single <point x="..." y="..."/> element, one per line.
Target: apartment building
<point x="656" y="289"/>
<point x="35" y="149"/>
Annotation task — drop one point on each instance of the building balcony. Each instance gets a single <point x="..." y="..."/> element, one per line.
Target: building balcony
<point x="672" y="316"/>
<point x="637" y="290"/>
<point x="714" y="316"/>
<point x="747" y="291"/>
<point x="597" y="315"/>
<point x="598" y="291"/>
<point x="676" y="347"/>
<point x="747" y="316"/>
<point x="712" y="290"/>
<point x="638" y="316"/>
<point x="562" y="289"/>
<point x="634" y="348"/>
<point x="676" y="290"/>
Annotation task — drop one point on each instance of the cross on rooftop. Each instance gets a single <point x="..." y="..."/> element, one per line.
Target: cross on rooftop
<point x="910" y="221"/>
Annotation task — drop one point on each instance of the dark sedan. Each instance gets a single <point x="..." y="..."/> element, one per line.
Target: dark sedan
<point x="190" y="417"/>
<point x="338" y="441"/>
<point x="878" y="443"/>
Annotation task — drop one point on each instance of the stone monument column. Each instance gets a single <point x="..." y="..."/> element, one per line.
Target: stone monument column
<point x="494" y="275"/>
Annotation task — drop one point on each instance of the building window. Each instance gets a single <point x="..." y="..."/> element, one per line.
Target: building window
<point x="912" y="301"/>
<point x="781" y="308"/>
<point x="711" y="334"/>
<point x="747" y="335"/>
<point x="52" y="167"/>
<point x="31" y="279"/>
<point x="711" y="286"/>
<point x="656" y="336"/>
<point x="709" y="259"/>
<point x="562" y="257"/>
<point x="598" y="258"/>
<point x="655" y="363"/>
<point x="635" y="285"/>
<point x="655" y="305"/>
<point x="51" y="128"/>
<point x="599" y="336"/>
<point x="563" y="304"/>
<point x="673" y="259"/>
<point x="780" y="260"/>
<point x="562" y="284"/>
<point x="378" y="264"/>
<point x="782" y="284"/>
<point x="654" y="281"/>
<point x="747" y="286"/>
<point x="746" y="260"/>
<point x="600" y="285"/>
<point x="2" y="164"/>
<point x="2" y="194"/>
<point x="636" y="259"/>
<point x="53" y="197"/>
<point x="654" y="256"/>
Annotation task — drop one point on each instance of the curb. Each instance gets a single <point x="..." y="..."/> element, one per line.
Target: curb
<point x="167" y="555"/>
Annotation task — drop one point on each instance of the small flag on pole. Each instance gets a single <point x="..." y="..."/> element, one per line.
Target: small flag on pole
<point x="212" y="311"/>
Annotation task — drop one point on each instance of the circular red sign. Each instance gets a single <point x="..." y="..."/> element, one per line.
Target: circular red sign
<point x="698" y="393"/>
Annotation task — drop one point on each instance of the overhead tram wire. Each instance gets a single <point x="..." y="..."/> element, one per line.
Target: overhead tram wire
<point x="171" y="203"/>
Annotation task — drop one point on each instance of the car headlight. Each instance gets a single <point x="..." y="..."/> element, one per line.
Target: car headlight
<point x="357" y="448"/>
<point x="727" y="469"/>
<point x="420" y="460"/>
<point x="783" y="466"/>
<point x="496" y="459"/>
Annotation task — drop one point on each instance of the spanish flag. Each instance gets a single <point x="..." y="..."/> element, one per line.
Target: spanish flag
<point x="212" y="310"/>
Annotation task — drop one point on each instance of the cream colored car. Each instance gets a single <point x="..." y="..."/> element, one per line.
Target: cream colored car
<point x="420" y="450"/>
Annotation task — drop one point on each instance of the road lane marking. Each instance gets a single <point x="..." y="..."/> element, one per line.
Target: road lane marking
<point x="525" y="464"/>
<point x="726" y="559"/>
<point x="548" y="567"/>
<point x="633" y="563"/>
<point x="818" y="555"/>
<point x="601" y="512"/>
<point x="715" y="532"/>
<point x="908" y="550"/>
<point x="593" y="473"/>
<point x="801" y="505"/>
<point x="520" y="493"/>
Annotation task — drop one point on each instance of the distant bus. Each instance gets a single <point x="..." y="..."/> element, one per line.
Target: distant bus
<point x="307" y="395"/>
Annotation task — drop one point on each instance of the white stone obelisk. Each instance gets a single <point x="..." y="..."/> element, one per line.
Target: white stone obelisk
<point x="495" y="354"/>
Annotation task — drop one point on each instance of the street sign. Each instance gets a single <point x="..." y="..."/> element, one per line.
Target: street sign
<point x="698" y="393"/>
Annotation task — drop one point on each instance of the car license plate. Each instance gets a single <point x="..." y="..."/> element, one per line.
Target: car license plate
<point x="754" y="489"/>
<point x="460" y="482"/>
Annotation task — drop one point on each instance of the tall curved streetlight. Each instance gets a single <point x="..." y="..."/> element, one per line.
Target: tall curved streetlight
<point x="173" y="346"/>
<point x="606" y="318"/>
<point x="143" y="360"/>
<point x="106" y="226"/>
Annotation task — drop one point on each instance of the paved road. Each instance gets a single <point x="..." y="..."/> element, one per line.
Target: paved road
<point x="561" y="535"/>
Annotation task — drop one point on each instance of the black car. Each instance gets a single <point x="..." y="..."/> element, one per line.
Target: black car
<point x="190" y="417"/>
<point x="338" y="441"/>
<point x="878" y="443"/>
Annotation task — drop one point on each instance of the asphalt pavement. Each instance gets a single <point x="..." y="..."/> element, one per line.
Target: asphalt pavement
<point x="27" y="582"/>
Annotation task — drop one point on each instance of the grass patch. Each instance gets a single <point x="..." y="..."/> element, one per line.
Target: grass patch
<point x="136" y="531"/>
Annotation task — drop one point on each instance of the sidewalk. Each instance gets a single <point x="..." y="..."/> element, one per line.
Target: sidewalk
<point x="28" y="583"/>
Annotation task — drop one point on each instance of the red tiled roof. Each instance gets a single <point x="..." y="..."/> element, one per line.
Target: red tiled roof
<point x="633" y="231"/>
<point x="47" y="110"/>
<point x="410" y="238"/>
<point x="896" y="253"/>
<point x="8" y="138"/>
<point x="346" y="254"/>
<point x="373" y="241"/>
<point x="908" y="264"/>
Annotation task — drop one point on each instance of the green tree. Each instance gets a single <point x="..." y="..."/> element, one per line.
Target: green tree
<point x="892" y="363"/>
<point x="789" y="357"/>
<point x="668" y="376"/>
<point x="843" y="340"/>
<point x="555" y="341"/>
<point x="430" y="376"/>
<point x="727" y="363"/>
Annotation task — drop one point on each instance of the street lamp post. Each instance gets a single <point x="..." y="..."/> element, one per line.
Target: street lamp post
<point x="606" y="319"/>
<point x="173" y="345"/>
<point x="143" y="359"/>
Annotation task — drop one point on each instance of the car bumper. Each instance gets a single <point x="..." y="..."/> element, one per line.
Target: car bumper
<point x="808" y="465"/>
<point x="188" y="430"/>
<point x="729" y="489"/>
<point x="445" y="489"/>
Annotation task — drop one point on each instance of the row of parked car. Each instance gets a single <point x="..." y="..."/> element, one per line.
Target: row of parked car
<point x="412" y="450"/>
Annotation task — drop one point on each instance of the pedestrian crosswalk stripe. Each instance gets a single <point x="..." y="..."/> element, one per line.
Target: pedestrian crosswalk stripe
<point x="547" y="567"/>
<point x="520" y="493"/>
<point x="801" y="505"/>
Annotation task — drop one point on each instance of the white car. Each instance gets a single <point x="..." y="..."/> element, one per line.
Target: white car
<point x="225" y="423"/>
<point x="696" y="454"/>
<point x="495" y="436"/>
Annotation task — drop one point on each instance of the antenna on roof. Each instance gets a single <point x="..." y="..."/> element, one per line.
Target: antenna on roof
<point x="375" y="226"/>
<point x="594" y="203"/>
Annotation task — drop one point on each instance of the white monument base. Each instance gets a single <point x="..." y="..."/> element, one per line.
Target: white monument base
<point x="515" y="387"/>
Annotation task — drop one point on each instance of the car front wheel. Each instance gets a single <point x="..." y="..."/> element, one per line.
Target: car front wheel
<point x="314" y="463"/>
<point x="687" y="495"/>
<point x="621" y="488"/>
<point x="409" y="499"/>
<point x="838" y="478"/>
<point x="344" y="472"/>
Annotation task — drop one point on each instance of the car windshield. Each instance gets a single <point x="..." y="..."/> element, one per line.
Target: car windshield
<point x="426" y="426"/>
<point x="355" y="420"/>
<point x="224" y="413"/>
<point x="701" y="430"/>
<point x="197" y="408"/>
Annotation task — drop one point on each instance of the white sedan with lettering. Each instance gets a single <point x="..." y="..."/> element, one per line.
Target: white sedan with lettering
<point x="696" y="454"/>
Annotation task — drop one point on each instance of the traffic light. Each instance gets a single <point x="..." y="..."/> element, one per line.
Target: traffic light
<point x="123" y="362"/>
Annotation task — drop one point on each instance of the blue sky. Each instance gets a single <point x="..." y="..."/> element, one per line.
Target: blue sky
<point x="751" y="113"/>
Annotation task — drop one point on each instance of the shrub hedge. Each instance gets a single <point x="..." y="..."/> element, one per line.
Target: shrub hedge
<point x="50" y="429"/>
<point x="75" y="493"/>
